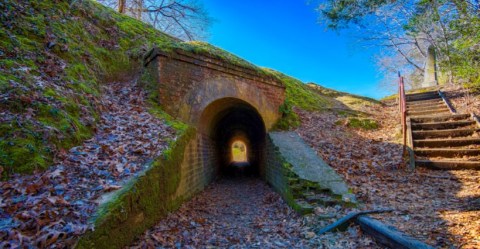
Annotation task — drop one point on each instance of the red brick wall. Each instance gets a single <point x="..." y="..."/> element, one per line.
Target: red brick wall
<point x="187" y="83"/>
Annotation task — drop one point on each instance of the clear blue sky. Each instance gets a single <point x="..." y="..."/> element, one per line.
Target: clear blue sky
<point x="285" y="35"/>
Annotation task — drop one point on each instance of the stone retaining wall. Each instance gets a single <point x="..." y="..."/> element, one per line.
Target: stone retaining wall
<point x="181" y="172"/>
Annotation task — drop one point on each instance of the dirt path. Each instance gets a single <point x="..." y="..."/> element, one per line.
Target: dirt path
<point x="245" y="213"/>
<point x="229" y="213"/>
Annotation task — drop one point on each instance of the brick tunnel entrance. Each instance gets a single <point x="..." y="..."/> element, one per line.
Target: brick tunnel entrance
<point x="236" y="127"/>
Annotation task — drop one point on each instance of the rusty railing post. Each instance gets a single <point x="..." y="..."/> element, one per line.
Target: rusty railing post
<point x="403" y="110"/>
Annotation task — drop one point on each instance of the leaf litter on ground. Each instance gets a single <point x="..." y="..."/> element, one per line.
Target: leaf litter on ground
<point x="52" y="208"/>
<point x="440" y="208"/>
<point x="247" y="213"/>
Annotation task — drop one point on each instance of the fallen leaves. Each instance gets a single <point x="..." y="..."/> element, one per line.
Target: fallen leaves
<point x="244" y="213"/>
<point x="52" y="208"/>
<point x="371" y="163"/>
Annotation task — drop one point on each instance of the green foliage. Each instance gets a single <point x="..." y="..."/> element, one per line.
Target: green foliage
<point x="339" y="14"/>
<point x="54" y="56"/>
<point x="300" y="95"/>
<point x="289" y="118"/>
<point x="362" y="123"/>
<point x="451" y="26"/>
<point x="467" y="56"/>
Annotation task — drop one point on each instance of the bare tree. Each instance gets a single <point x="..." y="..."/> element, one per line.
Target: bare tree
<point x="403" y="29"/>
<point x="185" y="19"/>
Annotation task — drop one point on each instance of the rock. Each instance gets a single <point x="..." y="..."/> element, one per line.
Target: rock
<point x="309" y="235"/>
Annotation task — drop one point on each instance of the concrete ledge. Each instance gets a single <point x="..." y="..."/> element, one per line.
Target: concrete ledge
<point x="308" y="166"/>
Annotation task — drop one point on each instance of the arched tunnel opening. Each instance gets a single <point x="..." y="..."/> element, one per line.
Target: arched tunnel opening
<point x="238" y="133"/>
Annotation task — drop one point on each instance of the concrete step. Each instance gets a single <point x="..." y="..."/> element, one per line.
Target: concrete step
<point x="425" y="107"/>
<point x="307" y="165"/>
<point x="448" y="164"/>
<point x="425" y="102"/>
<point x="446" y="152"/>
<point x="439" y="111"/>
<point x="323" y="200"/>
<point x="423" y="98"/>
<point x="422" y="93"/>
<point x="443" y="125"/>
<point x="303" y="207"/>
<point x="443" y="133"/>
<point x="451" y="142"/>
<point x="439" y="118"/>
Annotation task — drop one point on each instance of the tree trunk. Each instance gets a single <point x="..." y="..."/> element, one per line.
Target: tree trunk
<point x="121" y="6"/>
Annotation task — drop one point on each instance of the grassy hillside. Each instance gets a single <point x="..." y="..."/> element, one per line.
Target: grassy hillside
<point x="312" y="97"/>
<point x="351" y="100"/>
<point x="54" y="55"/>
<point x="300" y="96"/>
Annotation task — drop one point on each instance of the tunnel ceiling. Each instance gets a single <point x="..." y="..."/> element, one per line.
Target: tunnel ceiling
<point x="226" y="116"/>
<point x="238" y="120"/>
<point x="233" y="119"/>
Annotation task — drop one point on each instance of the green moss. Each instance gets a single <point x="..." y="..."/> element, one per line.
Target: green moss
<point x="335" y="94"/>
<point x="298" y="95"/>
<point x="78" y="31"/>
<point x="22" y="150"/>
<point x="390" y="97"/>
<point x="362" y="123"/>
<point x="289" y="118"/>
<point x="356" y="103"/>
<point x="77" y="71"/>
<point x="49" y="92"/>
<point x="204" y="48"/>
<point x="141" y="203"/>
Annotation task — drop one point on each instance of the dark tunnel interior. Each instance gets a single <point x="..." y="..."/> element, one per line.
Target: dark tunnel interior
<point x="230" y="121"/>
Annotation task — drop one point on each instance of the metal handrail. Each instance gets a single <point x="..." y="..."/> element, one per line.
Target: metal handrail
<point x="406" y="124"/>
<point x="403" y="110"/>
<point x="445" y="100"/>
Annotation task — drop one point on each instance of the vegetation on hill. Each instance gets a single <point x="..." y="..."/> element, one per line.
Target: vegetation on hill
<point x="339" y="94"/>
<point x="54" y="55"/>
<point x="312" y="97"/>
<point x="297" y="95"/>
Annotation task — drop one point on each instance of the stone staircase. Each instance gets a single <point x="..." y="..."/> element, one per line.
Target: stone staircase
<point x="442" y="139"/>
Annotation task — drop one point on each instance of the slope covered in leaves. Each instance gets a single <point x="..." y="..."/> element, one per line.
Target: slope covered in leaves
<point x="312" y="97"/>
<point x="54" y="54"/>
<point x="440" y="208"/>
<point x="51" y="209"/>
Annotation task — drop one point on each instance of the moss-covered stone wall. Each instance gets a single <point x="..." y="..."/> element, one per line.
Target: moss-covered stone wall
<point x="277" y="173"/>
<point x="199" y="167"/>
<point x="182" y="171"/>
